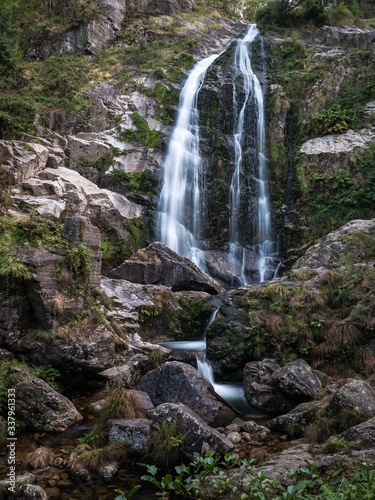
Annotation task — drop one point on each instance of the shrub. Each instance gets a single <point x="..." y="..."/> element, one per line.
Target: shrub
<point x="166" y="444"/>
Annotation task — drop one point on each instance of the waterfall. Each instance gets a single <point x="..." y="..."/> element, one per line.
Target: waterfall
<point x="248" y="248"/>
<point x="246" y="86"/>
<point x="179" y="216"/>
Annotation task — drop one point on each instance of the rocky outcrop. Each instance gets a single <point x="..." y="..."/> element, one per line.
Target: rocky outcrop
<point x="41" y="407"/>
<point x="332" y="153"/>
<point x="198" y="437"/>
<point x="363" y="435"/>
<point x="348" y="36"/>
<point x="176" y="382"/>
<point x="171" y="6"/>
<point x="158" y="264"/>
<point x="296" y="420"/>
<point x="89" y="350"/>
<point x="22" y="160"/>
<point x="345" y="241"/>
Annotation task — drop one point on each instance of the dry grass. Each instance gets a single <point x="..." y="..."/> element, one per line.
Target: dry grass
<point x="58" y="304"/>
<point x="120" y="403"/>
<point x="93" y="458"/>
<point x="307" y="301"/>
<point x="41" y="458"/>
<point x="340" y="335"/>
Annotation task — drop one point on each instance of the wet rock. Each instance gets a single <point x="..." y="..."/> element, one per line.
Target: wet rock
<point x="262" y="390"/>
<point x="135" y="434"/>
<point x="159" y="265"/>
<point x="177" y="382"/>
<point x="40" y="406"/>
<point x="297" y="380"/>
<point x="198" y="436"/>
<point x="328" y="252"/>
<point x="356" y="395"/>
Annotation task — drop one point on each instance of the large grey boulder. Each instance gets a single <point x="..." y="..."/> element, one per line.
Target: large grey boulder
<point x="356" y="395"/>
<point x="197" y="435"/>
<point x="329" y="250"/>
<point x="297" y="380"/>
<point x="295" y="421"/>
<point x="40" y="406"/>
<point x="130" y="373"/>
<point x="261" y="389"/>
<point x="159" y="265"/>
<point x="176" y="382"/>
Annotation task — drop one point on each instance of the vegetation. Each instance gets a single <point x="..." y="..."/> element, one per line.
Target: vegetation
<point x="166" y="444"/>
<point x="214" y="477"/>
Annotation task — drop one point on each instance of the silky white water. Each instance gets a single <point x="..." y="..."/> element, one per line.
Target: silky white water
<point x="183" y="190"/>
<point x="179" y="216"/>
<point x="251" y="90"/>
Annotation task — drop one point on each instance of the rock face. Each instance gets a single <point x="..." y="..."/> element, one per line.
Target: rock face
<point x="331" y="152"/>
<point x="363" y="434"/>
<point x="129" y="374"/>
<point x="171" y="6"/>
<point x="41" y="407"/>
<point x="197" y="435"/>
<point x="329" y="251"/>
<point x="176" y="382"/>
<point x="158" y="264"/>
<point x="22" y="159"/>
<point x="261" y="389"/>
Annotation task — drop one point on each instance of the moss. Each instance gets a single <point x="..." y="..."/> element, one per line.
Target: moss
<point x="143" y="135"/>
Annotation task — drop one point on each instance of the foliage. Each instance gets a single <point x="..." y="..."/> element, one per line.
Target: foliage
<point x="166" y="444"/>
<point x="333" y="120"/>
<point x="137" y="182"/>
<point x="143" y="135"/>
<point x="79" y="261"/>
<point x="47" y="373"/>
<point x="210" y="477"/>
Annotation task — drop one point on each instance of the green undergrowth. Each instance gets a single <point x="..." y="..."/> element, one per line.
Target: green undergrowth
<point x="213" y="477"/>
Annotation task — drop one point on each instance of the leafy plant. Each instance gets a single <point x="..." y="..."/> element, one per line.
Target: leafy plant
<point x="166" y="444"/>
<point x="333" y="120"/>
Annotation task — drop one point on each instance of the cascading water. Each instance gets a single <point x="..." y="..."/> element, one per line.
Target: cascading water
<point x="179" y="216"/>
<point x="247" y="88"/>
<point x="179" y="226"/>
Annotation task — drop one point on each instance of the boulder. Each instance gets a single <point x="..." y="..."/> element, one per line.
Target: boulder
<point x="330" y="249"/>
<point x="88" y="353"/>
<point x="84" y="154"/>
<point x="297" y="380"/>
<point x="356" y="395"/>
<point x="295" y="421"/>
<point x="130" y="373"/>
<point x="198" y="436"/>
<point x="176" y="382"/>
<point x="159" y="265"/>
<point x="135" y="434"/>
<point x="40" y="406"/>
<point x="363" y="435"/>
<point x="261" y="389"/>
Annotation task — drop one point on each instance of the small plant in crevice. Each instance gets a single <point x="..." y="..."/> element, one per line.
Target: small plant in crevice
<point x="166" y="444"/>
<point x="93" y="458"/>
